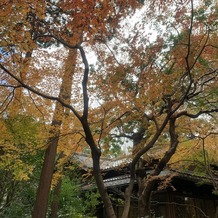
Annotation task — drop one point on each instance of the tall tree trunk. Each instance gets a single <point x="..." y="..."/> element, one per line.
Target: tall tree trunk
<point x="42" y="197"/>
<point x="41" y="203"/>
<point x="57" y="189"/>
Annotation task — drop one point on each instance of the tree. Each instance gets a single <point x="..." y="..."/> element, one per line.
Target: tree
<point x="164" y="84"/>
<point x="181" y="60"/>
<point x="75" y="28"/>
<point x="200" y="154"/>
<point x="20" y="158"/>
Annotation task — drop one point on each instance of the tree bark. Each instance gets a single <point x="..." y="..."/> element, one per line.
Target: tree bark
<point x="42" y="197"/>
<point x="136" y="159"/>
<point x="137" y="140"/>
<point x="100" y="184"/>
<point x="144" y="202"/>
<point x="41" y="203"/>
<point x="145" y="197"/>
<point x="95" y="150"/>
<point x="127" y="196"/>
<point x="55" y="202"/>
<point x="96" y="154"/>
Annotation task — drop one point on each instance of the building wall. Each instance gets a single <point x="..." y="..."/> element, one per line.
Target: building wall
<point x="177" y="205"/>
<point x="186" y="201"/>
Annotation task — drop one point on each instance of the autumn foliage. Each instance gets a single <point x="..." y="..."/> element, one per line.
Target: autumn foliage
<point x="152" y="84"/>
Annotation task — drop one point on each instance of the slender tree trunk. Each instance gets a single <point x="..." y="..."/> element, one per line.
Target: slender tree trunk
<point x="56" y="194"/>
<point x="137" y="140"/>
<point x="127" y="196"/>
<point x="145" y="196"/>
<point x="55" y="202"/>
<point x="100" y="184"/>
<point x="42" y="197"/>
<point x="95" y="150"/>
<point x="144" y="202"/>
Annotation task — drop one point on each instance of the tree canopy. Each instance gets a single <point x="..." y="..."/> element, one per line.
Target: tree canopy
<point x="152" y="86"/>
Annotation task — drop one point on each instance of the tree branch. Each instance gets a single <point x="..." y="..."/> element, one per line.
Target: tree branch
<point x="40" y="93"/>
<point x="185" y="113"/>
<point x="7" y="101"/>
<point x="84" y="84"/>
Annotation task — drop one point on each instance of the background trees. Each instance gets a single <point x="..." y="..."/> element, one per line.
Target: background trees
<point x="21" y="157"/>
<point x="153" y="89"/>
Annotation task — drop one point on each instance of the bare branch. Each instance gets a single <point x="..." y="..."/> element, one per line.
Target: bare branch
<point x="31" y="97"/>
<point x="84" y="84"/>
<point x="58" y="39"/>
<point x="189" y="40"/>
<point x="185" y="113"/>
<point x="7" y="101"/>
<point x="40" y="93"/>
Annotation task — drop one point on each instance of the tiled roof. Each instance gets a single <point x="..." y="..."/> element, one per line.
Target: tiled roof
<point x="112" y="182"/>
<point x="85" y="161"/>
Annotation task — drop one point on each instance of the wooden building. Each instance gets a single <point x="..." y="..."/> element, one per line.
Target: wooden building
<point x="183" y="197"/>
